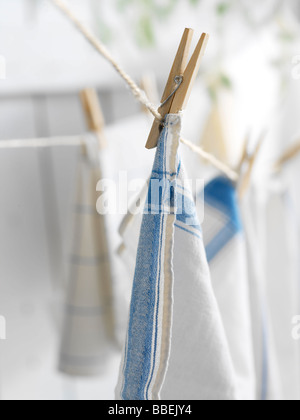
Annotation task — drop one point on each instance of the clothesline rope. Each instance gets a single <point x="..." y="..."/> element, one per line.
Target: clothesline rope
<point x="45" y="142"/>
<point x="136" y="91"/>
<point x="209" y="158"/>
<point x="75" y="141"/>
<point x="97" y="44"/>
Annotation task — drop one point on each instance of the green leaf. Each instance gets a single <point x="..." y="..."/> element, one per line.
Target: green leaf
<point x="122" y="4"/>
<point x="106" y="34"/>
<point x="223" y="8"/>
<point x="287" y="37"/>
<point x="194" y="2"/>
<point x="162" y="12"/>
<point x="212" y="93"/>
<point x="225" y="81"/>
<point x="145" y="32"/>
<point x="150" y="4"/>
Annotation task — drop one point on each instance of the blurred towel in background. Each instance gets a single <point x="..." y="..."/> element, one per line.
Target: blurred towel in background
<point x="98" y="295"/>
<point x="88" y="333"/>
<point x="176" y="346"/>
<point x="268" y="382"/>
<point x="226" y="254"/>
<point x="282" y="252"/>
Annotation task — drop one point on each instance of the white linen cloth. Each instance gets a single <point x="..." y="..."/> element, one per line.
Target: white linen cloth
<point x="282" y="252"/>
<point x="226" y="253"/>
<point x="176" y="346"/>
<point x="268" y="382"/>
<point x="88" y="335"/>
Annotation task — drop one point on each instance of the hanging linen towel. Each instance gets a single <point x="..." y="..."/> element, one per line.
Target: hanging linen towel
<point x="88" y="335"/>
<point x="268" y="383"/>
<point x="282" y="282"/>
<point x="176" y="346"/>
<point x="226" y="254"/>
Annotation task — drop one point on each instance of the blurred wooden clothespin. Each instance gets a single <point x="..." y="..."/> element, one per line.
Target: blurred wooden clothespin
<point x="249" y="160"/>
<point x="213" y="137"/>
<point x="180" y="82"/>
<point x="244" y="155"/>
<point x="288" y="155"/>
<point x="149" y="86"/>
<point x="93" y="113"/>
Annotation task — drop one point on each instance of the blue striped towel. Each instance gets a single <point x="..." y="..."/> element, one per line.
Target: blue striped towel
<point x="176" y="346"/>
<point x="226" y="253"/>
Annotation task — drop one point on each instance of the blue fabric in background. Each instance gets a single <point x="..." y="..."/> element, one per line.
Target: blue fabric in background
<point x="221" y="194"/>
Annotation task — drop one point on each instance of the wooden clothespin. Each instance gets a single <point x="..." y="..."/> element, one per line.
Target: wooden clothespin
<point x="149" y="86"/>
<point x="244" y="155"/>
<point x="288" y="155"/>
<point x="180" y="82"/>
<point x="93" y="113"/>
<point x="213" y="137"/>
<point x="251" y="160"/>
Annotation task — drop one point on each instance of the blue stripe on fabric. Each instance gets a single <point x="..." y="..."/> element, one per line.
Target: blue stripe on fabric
<point x="221" y="194"/>
<point x="188" y="231"/>
<point x="138" y="372"/>
<point x="158" y="283"/>
<point x="186" y="212"/>
<point x="223" y="237"/>
<point x="179" y="168"/>
<point x="140" y="330"/>
<point x="156" y="317"/>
